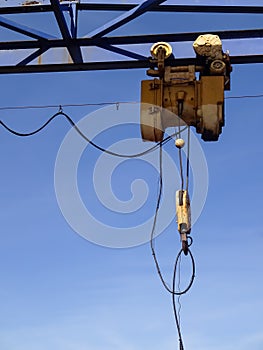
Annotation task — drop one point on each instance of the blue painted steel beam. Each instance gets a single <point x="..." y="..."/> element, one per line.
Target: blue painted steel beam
<point x="130" y="40"/>
<point x="125" y="18"/>
<point x="88" y="6"/>
<point x="73" y="49"/>
<point x="114" y="65"/>
<point x="19" y="28"/>
<point x="123" y="52"/>
<point x="32" y="56"/>
<point x="95" y="6"/>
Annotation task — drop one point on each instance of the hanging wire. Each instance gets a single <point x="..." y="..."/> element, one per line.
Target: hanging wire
<point x="177" y="313"/>
<point x="188" y="158"/>
<point x="181" y="168"/>
<point x="105" y="103"/>
<point x="173" y="290"/>
<point x="243" y="97"/>
<point x="178" y="288"/>
<point x="159" y="145"/>
<point x="164" y="283"/>
<point x="180" y="112"/>
<point x="73" y="124"/>
<point x="6" y="108"/>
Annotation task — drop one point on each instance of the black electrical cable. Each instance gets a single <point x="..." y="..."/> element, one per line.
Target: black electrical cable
<point x="175" y="293"/>
<point x="243" y="96"/>
<point x="67" y="105"/>
<point x="173" y="290"/>
<point x="73" y="124"/>
<point x="180" y="113"/>
<point x="176" y="316"/>
<point x="152" y="237"/>
<point x="159" y="144"/>
<point x="178" y="287"/>
<point x="104" y="103"/>
<point x="188" y="159"/>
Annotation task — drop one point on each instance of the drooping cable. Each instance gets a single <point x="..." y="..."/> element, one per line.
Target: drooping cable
<point x="176" y="313"/>
<point x="164" y="283"/>
<point x="172" y="290"/>
<point x="179" y="288"/>
<point x="74" y="125"/>
<point x="160" y="144"/>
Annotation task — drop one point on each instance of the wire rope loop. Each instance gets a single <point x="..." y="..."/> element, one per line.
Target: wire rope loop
<point x="175" y="270"/>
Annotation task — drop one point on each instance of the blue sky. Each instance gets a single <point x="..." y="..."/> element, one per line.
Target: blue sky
<point x="59" y="291"/>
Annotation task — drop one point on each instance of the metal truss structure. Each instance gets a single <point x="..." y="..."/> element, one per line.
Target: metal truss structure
<point x="66" y="15"/>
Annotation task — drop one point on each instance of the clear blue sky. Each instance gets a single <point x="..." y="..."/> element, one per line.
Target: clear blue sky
<point x="61" y="292"/>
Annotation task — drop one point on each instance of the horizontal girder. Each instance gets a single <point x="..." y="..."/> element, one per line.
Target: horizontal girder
<point x="37" y="44"/>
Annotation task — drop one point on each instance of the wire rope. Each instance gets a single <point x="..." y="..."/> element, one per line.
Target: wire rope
<point x="188" y="158"/>
<point x="164" y="283"/>
<point x="172" y="290"/>
<point x="104" y="103"/>
<point x="5" y="108"/>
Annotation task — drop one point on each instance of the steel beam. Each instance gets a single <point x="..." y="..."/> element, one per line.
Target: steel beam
<point x="31" y="57"/>
<point x="114" y="65"/>
<point x="19" y="28"/>
<point x="73" y="49"/>
<point x="73" y="43"/>
<point x="88" y="6"/>
<point x="125" y="18"/>
<point x="174" y="8"/>
<point x="10" y="10"/>
<point x="123" y="52"/>
<point x="130" y="40"/>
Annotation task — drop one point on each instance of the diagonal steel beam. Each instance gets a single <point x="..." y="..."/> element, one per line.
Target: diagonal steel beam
<point x="123" y="52"/>
<point x="125" y="18"/>
<point x="31" y="57"/>
<point x="19" y="28"/>
<point x="73" y="49"/>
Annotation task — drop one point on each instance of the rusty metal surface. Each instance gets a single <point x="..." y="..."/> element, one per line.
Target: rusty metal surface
<point x="203" y="105"/>
<point x="183" y="213"/>
<point x="151" y="102"/>
<point x="182" y="96"/>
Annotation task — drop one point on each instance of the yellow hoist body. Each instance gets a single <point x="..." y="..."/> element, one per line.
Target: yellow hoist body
<point x="174" y="86"/>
